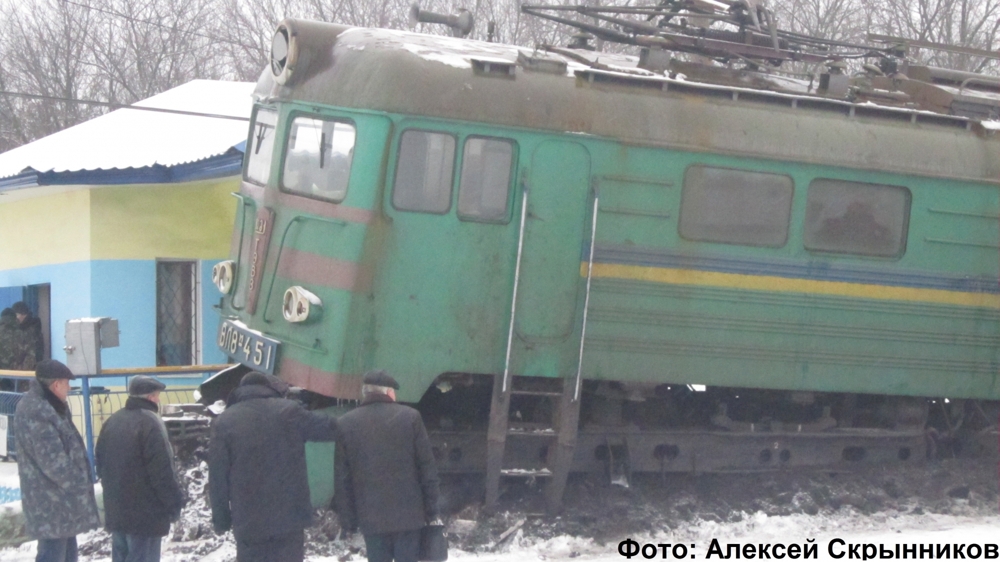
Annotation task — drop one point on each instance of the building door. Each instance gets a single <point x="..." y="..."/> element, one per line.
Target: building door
<point x="177" y="341"/>
<point x="38" y="298"/>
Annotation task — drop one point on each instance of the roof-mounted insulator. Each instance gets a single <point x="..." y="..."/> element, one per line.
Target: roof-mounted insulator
<point x="461" y="24"/>
<point x="581" y="41"/>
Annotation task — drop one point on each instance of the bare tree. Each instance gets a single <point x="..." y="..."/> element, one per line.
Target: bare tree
<point x="960" y="23"/>
<point x="143" y="47"/>
<point x="45" y="53"/>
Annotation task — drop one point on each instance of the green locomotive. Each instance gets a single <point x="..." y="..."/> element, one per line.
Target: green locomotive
<point x="513" y="233"/>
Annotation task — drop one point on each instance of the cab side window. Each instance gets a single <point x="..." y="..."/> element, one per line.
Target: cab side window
<point x="318" y="158"/>
<point x="736" y="206"/>
<point x="424" y="172"/>
<point x="484" y="184"/>
<point x="863" y="219"/>
<point x="260" y="146"/>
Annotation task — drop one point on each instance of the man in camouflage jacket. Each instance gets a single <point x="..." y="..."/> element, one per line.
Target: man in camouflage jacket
<point x="17" y="345"/>
<point x="9" y="340"/>
<point x="57" y="490"/>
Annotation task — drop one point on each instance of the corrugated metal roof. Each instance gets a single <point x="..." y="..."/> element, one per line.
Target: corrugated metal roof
<point x="132" y="138"/>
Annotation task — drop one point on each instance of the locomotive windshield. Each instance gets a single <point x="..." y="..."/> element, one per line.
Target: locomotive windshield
<point x="260" y="146"/>
<point x="318" y="162"/>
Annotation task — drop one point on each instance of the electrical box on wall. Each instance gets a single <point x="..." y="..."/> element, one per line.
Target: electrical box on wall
<point x="85" y="337"/>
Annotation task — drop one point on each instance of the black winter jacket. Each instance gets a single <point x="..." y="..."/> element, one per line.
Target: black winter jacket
<point x="257" y="463"/>
<point x="136" y="465"/>
<point x="385" y="479"/>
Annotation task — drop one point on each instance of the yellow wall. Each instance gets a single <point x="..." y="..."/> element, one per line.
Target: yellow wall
<point x="190" y="220"/>
<point x="50" y="229"/>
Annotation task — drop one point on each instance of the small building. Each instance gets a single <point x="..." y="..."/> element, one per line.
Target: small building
<point x="123" y="216"/>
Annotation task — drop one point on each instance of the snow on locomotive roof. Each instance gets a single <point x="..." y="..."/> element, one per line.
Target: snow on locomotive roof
<point x="560" y="90"/>
<point x="460" y="53"/>
<point x="133" y="138"/>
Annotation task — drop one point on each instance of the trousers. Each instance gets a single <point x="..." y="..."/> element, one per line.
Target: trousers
<point x="56" y="550"/>
<point x="401" y="547"/>
<point x="134" y="548"/>
<point x="282" y="548"/>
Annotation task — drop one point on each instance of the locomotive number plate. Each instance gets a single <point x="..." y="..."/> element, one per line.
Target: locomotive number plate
<point x="250" y="348"/>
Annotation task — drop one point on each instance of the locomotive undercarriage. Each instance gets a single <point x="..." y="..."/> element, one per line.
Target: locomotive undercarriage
<point x="624" y="429"/>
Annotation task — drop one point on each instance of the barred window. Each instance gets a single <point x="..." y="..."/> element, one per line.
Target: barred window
<point x="856" y="218"/>
<point x="736" y="206"/>
<point x="484" y="184"/>
<point x="424" y="172"/>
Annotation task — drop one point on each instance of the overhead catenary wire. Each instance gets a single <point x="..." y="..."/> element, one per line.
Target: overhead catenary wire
<point x="124" y="106"/>
<point x="152" y="23"/>
<point x="799" y="47"/>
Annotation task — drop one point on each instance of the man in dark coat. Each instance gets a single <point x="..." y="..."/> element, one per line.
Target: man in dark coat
<point x="257" y="478"/>
<point x="31" y="329"/>
<point x="136" y="465"/>
<point x="385" y="479"/>
<point x="57" y="489"/>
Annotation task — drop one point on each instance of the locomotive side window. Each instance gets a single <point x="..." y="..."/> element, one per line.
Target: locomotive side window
<point x="484" y="183"/>
<point x="260" y="146"/>
<point x="424" y="172"/>
<point x="318" y="158"/>
<point x="856" y="218"/>
<point x="735" y="206"/>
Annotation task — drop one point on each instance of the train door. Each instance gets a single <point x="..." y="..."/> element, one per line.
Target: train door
<point x="444" y="287"/>
<point x="549" y="287"/>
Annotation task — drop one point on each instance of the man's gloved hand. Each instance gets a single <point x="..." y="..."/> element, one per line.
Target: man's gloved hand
<point x="436" y="522"/>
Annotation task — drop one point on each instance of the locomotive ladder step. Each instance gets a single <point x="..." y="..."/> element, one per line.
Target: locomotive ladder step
<point x="527" y="472"/>
<point x="559" y="432"/>
<point x="536" y="393"/>
<point x="532" y="432"/>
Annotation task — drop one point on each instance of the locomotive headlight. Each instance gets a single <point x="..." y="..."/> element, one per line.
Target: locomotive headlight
<point x="300" y="305"/>
<point x="223" y="275"/>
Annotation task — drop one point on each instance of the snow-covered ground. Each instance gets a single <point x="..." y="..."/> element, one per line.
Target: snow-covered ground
<point x="754" y="529"/>
<point x="940" y="503"/>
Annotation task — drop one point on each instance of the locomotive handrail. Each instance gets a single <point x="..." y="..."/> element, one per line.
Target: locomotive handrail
<point x="586" y="298"/>
<point x="517" y="279"/>
<point x="239" y="248"/>
<point x="281" y="248"/>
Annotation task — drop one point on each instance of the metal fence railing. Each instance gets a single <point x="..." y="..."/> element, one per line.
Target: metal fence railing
<point x="8" y="403"/>
<point x="104" y="403"/>
<point x="92" y="406"/>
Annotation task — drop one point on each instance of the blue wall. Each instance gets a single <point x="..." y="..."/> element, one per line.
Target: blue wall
<point x="122" y="289"/>
<point x="70" y="294"/>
